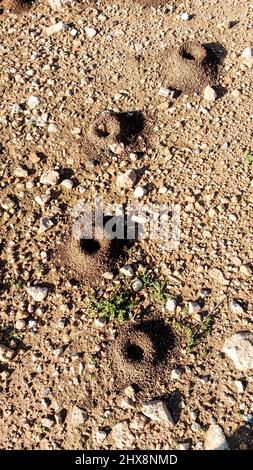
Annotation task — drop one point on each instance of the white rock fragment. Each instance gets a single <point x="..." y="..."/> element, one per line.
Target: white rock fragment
<point x="185" y="17"/>
<point x="236" y="307"/>
<point x="100" y="322"/>
<point x="100" y="436"/>
<point x="78" y="416"/>
<point x="41" y="200"/>
<point x="158" y="411"/>
<point x="210" y="94"/>
<point x="239" y="385"/>
<point x="246" y="270"/>
<point x="164" y="92"/>
<point x="171" y="304"/>
<point x="126" y="180"/>
<point x="54" y="28"/>
<point x="90" y="32"/>
<point x="67" y="184"/>
<point x="52" y="128"/>
<point x="176" y="374"/>
<point x="137" y="285"/>
<point x="45" y="224"/>
<point x="122" y="436"/>
<point x="215" y="438"/>
<point x="6" y="354"/>
<point x="247" y="53"/>
<point x="50" y="178"/>
<point x="139" y="192"/>
<point x="21" y="172"/>
<point x="239" y="348"/>
<point x="20" y="325"/>
<point x="194" y="307"/>
<point x="217" y="275"/>
<point x="127" y="270"/>
<point x="37" y="293"/>
<point x="47" y="423"/>
<point x="57" y="4"/>
<point x="184" y="446"/>
<point x="32" y="102"/>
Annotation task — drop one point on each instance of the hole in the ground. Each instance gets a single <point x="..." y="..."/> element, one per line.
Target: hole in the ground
<point x="89" y="246"/>
<point x="134" y="353"/>
<point x="102" y="132"/>
<point x="187" y="55"/>
<point x="131" y="126"/>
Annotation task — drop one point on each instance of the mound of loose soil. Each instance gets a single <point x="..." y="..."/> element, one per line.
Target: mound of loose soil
<point x="189" y="68"/>
<point x="86" y="259"/>
<point x="141" y="352"/>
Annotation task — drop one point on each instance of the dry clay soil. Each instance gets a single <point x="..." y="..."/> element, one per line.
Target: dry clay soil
<point x="196" y="159"/>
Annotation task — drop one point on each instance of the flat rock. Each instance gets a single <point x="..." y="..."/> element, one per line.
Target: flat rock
<point x="158" y="411"/>
<point x="127" y="179"/>
<point x="78" y="417"/>
<point x="239" y="348"/>
<point x="50" y="178"/>
<point x="121" y="435"/>
<point x="37" y="293"/>
<point x="217" y="275"/>
<point x="215" y="438"/>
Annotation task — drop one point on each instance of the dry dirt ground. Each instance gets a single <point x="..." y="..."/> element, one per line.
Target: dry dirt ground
<point x="57" y="386"/>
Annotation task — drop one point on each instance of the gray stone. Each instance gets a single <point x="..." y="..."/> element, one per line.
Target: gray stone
<point x="215" y="438"/>
<point x="236" y="307"/>
<point x="100" y="436"/>
<point x="126" y="180"/>
<point x="37" y="293"/>
<point x="157" y="411"/>
<point x="50" y="178"/>
<point x="78" y="417"/>
<point x="239" y="348"/>
<point x="137" y="285"/>
<point x="171" y="305"/>
<point x="122" y="436"/>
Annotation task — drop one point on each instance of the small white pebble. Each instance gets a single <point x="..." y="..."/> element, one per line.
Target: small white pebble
<point x="33" y="101"/>
<point x="137" y="285"/>
<point x="139" y="192"/>
<point x="68" y="184"/>
<point x="90" y="32"/>
<point x="185" y="17"/>
<point x="210" y="94"/>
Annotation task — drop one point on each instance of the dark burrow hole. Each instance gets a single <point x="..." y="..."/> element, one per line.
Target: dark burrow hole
<point x="131" y="125"/>
<point x="89" y="246"/>
<point x="187" y="55"/>
<point x="102" y="132"/>
<point x="134" y="353"/>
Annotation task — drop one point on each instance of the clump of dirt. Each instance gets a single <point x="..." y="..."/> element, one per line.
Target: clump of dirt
<point x="86" y="257"/>
<point x="16" y="6"/>
<point x="190" y="67"/>
<point x="141" y="352"/>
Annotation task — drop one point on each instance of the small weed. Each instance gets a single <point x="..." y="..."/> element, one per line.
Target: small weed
<point x="144" y="278"/>
<point x="158" y="292"/>
<point x="92" y="359"/>
<point x="248" y="159"/>
<point x="194" y="333"/>
<point x="14" y="335"/>
<point x="18" y="285"/>
<point x="42" y="429"/>
<point x="119" y="306"/>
